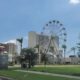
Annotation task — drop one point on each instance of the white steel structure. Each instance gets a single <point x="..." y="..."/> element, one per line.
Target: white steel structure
<point x="56" y="34"/>
<point x="51" y="39"/>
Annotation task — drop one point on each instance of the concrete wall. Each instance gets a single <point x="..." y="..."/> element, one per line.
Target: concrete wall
<point x="3" y="61"/>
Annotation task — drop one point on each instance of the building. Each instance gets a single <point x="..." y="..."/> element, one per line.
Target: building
<point x="32" y="39"/>
<point x="10" y="49"/>
<point x="44" y="42"/>
<point x="2" y="48"/>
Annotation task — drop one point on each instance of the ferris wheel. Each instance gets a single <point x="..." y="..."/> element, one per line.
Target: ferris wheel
<point x="53" y="36"/>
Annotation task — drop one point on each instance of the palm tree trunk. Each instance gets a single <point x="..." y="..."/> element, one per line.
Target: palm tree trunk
<point x="64" y="55"/>
<point x="74" y="52"/>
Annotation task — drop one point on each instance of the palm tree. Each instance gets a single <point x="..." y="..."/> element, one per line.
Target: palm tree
<point x="73" y="49"/>
<point x="20" y="40"/>
<point x="64" y="48"/>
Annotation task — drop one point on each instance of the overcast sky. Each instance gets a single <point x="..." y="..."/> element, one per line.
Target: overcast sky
<point x="18" y="17"/>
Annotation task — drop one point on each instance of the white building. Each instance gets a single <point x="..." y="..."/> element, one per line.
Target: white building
<point x="12" y="51"/>
<point x="35" y="39"/>
<point x="32" y="39"/>
<point x="9" y="49"/>
<point x="44" y="43"/>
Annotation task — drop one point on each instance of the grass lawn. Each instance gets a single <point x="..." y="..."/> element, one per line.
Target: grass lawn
<point x="69" y="70"/>
<point x="26" y="76"/>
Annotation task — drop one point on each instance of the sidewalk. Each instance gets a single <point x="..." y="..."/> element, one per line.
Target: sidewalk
<point x="14" y="66"/>
<point x="50" y="74"/>
<point x="5" y="78"/>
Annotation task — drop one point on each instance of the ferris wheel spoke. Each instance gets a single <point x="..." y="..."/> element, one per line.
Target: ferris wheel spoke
<point x="53" y="29"/>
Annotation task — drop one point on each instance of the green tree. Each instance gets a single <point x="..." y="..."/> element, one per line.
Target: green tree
<point x="73" y="49"/>
<point x="29" y="55"/>
<point x="37" y="46"/>
<point x="51" y="49"/>
<point x="64" y="49"/>
<point x="20" y="40"/>
<point x="44" y="58"/>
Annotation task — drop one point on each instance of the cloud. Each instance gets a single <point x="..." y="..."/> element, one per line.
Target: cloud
<point x="10" y="41"/>
<point x="25" y="41"/>
<point x="74" y="1"/>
